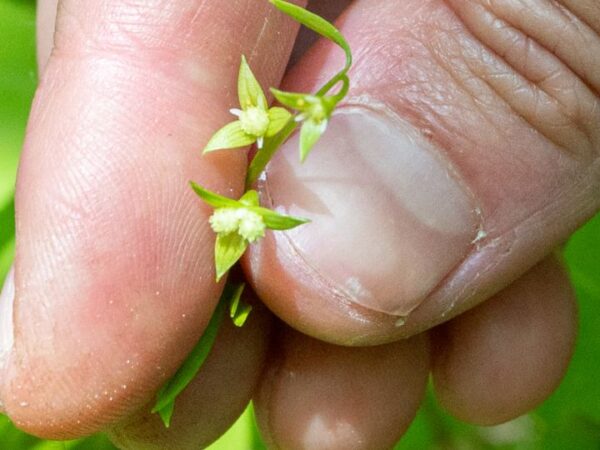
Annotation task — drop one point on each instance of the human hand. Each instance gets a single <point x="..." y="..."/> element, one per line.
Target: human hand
<point x="113" y="251"/>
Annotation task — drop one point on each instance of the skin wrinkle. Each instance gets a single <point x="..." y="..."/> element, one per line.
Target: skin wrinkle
<point x="474" y="94"/>
<point x="569" y="30"/>
<point x="588" y="11"/>
<point x="564" y="108"/>
<point x="529" y="168"/>
<point x="542" y="82"/>
<point x="507" y="98"/>
<point x="470" y="291"/>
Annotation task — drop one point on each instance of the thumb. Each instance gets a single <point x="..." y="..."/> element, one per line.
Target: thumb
<point x="464" y="154"/>
<point x="114" y="277"/>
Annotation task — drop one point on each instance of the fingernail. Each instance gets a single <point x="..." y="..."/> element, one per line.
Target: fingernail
<point x="7" y="298"/>
<point x="389" y="216"/>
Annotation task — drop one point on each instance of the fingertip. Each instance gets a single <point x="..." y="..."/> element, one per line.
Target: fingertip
<point x="507" y="355"/>
<point x="213" y="400"/>
<point x="318" y="395"/>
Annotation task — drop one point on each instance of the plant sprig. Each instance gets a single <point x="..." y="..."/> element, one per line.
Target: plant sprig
<point x="165" y="399"/>
<point x="239" y="223"/>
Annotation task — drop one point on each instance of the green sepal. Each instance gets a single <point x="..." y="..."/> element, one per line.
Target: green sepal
<point x="165" y="398"/>
<point x="278" y="118"/>
<point x="229" y="248"/>
<point x="310" y="133"/>
<point x="250" y="198"/>
<point x="249" y="91"/>
<point x="276" y="221"/>
<point x="238" y="309"/>
<point x="299" y="101"/>
<point x="230" y="136"/>
<point x="214" y="200"/>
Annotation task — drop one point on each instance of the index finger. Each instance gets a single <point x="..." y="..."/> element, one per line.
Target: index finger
<point x="114" y="268"/>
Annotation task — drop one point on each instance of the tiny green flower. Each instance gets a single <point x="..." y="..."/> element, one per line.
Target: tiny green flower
<point x="314" y="112"/>
<point x="256" y="121"/>
<point x="239" y="223"/>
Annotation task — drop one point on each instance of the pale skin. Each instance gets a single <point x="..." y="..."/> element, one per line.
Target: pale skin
<point x="114" y="273"/>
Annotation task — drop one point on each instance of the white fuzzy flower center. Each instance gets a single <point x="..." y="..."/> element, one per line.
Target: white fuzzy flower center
<point x="255" y="121"/>
<point x="246" y="223"/>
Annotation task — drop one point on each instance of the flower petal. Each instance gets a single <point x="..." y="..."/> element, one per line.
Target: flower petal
<point x="294" y="100"/>
<point x="309" y="135"/>
<point x="276" y="221"/>
<point x="229" y="248"/>
<point x="278" y="118"/>
<point x="230" y="136"/>
<point x="249" y="91"/>
<point x="250" y="198"/>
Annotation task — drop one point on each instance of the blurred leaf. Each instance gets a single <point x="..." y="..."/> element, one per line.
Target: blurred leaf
<point x="17" y="85"/>
<point x="242" y="435"/>
<point x="7" y="219"/>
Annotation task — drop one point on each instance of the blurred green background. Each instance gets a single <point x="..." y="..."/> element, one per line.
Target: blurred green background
<point x="570" y="419"/>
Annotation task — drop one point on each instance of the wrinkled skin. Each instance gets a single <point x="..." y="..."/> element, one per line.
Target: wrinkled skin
<point x="466" y="152"/>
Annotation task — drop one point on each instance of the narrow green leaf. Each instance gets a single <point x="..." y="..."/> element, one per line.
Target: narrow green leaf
<point x="230" y="136"/>
<point x="278" y="117"/>
<point x="194" y="361"/>
<point x="238" y="309"/>
<point x="249" y="91"/>
<point x="166" y="413"/>
<point x="276" y="221"/>
<point x="214" y="200"/>
<point x="250" y="198"/>
<point x="317" y="24"/>
<point x="229" y="248"/>
<point x="309" y="135"/>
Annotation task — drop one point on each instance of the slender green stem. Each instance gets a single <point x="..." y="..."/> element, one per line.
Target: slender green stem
<point x="264" y="155"/>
